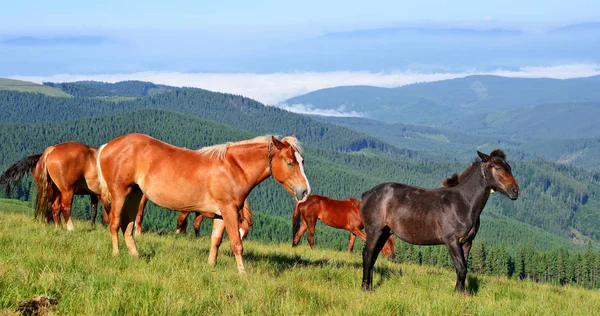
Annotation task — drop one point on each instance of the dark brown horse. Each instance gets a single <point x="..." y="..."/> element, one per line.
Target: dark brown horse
<point x="342" y="214"/>
<point x="60" y="172"/>
<point x="245" y="219"/>
<point x="214" y="180"/>
<point x="447" y="215"/>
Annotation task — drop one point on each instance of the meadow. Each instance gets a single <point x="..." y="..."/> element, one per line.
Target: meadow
<point x="172" y="277"/>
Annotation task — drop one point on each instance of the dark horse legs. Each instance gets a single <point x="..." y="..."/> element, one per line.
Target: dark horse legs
<point x="375" y="242"/>
<point x="460" y="263"/>
<point x="94" y="206"/>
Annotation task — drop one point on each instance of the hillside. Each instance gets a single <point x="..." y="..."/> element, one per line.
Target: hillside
<point x="451" y="144"/>
<point x="172" y="277"/>
<point x="558" y="205"/>
<point x="26" y="86"/>
<point x="131" y="88"/>
<point x="445" y="102"/>
<point x="224" y="108"/>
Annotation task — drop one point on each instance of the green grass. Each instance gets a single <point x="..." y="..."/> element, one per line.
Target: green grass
<point x="172" y="277"/>
<point x="26" y="86"/>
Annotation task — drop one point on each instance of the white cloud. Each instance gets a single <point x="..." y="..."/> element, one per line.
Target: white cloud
<point x="309" y="109"/>
<point x="274" y="88"/>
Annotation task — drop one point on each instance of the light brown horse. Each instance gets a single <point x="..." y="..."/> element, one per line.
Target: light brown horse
<point x="342" y="214"/>
<point x="214" y="180"/>
<point x="60" y="172"/>
<point x="245" y="219"/>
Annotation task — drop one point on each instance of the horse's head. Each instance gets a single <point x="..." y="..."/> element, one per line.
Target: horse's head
<point x="287" y="167"/>
<point x="355" y="202"/>
<point x="498" y="173"/>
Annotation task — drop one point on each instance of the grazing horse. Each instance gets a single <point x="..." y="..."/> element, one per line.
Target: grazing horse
<point x="448" y="215"/>
<point x="342" y="214"/>
<point x="245" y="219"/>
<point x="60" y="172"/>
<point x="214" y="180"/>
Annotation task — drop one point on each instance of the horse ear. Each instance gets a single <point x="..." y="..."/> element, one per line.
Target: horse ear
<point x="294" y="135"/>
<point x="277" y="143"/>
<point x="483" y="156"/>
<point x="498" y="153"/>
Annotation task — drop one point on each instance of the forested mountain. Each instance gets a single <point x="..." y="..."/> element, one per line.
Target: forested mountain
<point x="131" y="88"/>
<point x="225" y="108"/>
<point x="582" y="152"/>
<point x="26" y="86"/>
<point x="474" y="104"/>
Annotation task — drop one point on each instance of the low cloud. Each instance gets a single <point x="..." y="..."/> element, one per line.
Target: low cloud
<point x="274" y="88"/>
<point x="310" y="109"/>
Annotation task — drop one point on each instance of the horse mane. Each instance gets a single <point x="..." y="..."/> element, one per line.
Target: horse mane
<point x="218" y="151"/>
<point x="452" y="181"/>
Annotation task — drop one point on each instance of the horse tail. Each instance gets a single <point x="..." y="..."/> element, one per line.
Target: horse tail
<point x="296" y="220"/>
<point x="17" y="171"/>
<point x="104" y="193"/>
<point x="41" y="179"/>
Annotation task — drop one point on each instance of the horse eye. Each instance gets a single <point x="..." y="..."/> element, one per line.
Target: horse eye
<point x="290" y="163"/>
<point x="497" y="168"/>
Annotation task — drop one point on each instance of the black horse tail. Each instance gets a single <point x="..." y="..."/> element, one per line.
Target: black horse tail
<point x="296" y="221"/>
<point x="17" y="171"/>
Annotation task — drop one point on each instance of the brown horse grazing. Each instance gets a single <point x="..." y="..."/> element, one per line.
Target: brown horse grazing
<point x="447" y="215"/>
<point x="342" y="214"/>
<point x="214" y="180"/>
<point x="60" y="172"/>
<point x="245" y="219"/>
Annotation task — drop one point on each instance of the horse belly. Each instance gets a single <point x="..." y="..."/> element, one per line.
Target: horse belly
<point x="183" y="197"/>
<point x="416" y="232"/>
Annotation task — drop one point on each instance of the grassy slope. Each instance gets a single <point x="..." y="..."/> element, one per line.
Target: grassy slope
<point x="26" y="86"/>
<point x="172" y="277"/>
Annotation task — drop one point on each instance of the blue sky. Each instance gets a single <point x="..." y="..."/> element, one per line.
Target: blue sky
<point x="273" y="50"/>
<point x="283" y="16"/>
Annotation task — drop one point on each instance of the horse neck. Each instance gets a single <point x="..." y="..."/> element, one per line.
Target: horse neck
<point x="253" y="160"/>
<point x="474" y="187"/>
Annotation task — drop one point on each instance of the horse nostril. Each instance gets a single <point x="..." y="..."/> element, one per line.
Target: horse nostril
<point x="515" y="190"/>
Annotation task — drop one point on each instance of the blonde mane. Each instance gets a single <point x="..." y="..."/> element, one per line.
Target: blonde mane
<point x="219" y="151"/>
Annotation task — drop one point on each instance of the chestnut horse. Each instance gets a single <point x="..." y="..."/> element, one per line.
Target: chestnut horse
<point x="60" y="172"/>
<point x="245" y="219"/>
<point x="214" y="180"/>
<point x="343" y="214"/>
<point x="448" y="215"/>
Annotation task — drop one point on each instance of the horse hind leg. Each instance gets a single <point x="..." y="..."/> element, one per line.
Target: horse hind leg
<point x="94" y="208"/>
<point x="197" y="223"/>
<point x="128" y="216"/>
<point x="56" y="212"/>
<point x="215" y="240"/>
<point x="182" y="222"/>
<point x="66" y="204"/>
<point x="311" y="233"/>
<point x="351" y="242"/>
<point x="376" y="239"/>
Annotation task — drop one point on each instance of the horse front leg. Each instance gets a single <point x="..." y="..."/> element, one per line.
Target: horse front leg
<point x="140" y="215"/>
<point x="232" y="225"/>
<point x="456" y="253"/>
<point x="351" y="242"/>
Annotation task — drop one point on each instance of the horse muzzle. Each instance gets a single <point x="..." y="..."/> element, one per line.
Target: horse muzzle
<point x="513" y="192"/>
<point x="302" y="194"/>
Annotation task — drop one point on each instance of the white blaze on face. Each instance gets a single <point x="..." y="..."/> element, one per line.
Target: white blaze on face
<point x="241" y="233"/>
<point x="70" y="226"/>
<point x="301" y="164"/>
